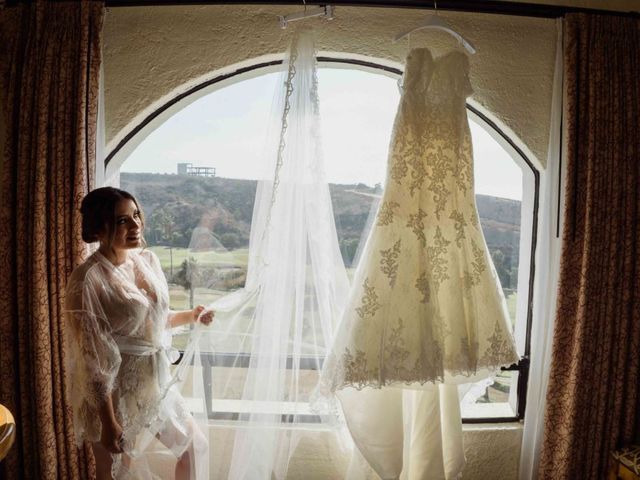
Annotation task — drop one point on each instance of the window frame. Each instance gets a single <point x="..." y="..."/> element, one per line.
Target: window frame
<point x="123" y="148"/>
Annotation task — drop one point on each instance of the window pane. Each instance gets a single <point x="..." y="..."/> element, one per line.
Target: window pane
<point x="497" y="400"/>
<point x="198" y="222"/>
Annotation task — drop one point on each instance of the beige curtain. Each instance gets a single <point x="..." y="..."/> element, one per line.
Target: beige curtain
<point x="51" y="111"/>
<point x="593" y="395"/>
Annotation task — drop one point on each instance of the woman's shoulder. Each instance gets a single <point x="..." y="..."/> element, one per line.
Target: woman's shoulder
<point x="148" y="256"/>
<point x="85" y="269"/>
<point x="85" y="276"/>
<point x="150" y="259"/>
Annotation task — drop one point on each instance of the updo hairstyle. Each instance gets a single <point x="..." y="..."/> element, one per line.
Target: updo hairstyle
<point x="98" y="209"/>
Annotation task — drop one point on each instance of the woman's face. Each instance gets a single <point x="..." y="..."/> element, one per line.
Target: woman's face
<point x="128" y="226"/>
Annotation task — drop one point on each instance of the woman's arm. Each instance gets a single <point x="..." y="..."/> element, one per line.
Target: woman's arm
<point x="94" y="355"/>
<point x="184" y="317"/>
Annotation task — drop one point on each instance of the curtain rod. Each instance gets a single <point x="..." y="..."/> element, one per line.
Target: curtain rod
<point x="493" y="6"/>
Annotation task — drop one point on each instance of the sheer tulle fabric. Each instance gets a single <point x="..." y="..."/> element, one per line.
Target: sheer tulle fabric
<point x="121" y="347"/>
<point x="271" y="336"/>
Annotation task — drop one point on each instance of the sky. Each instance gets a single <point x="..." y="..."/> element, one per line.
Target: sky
<point x="226" y="129"/>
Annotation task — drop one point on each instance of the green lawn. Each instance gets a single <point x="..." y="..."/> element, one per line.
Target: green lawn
<point x="179" y="297"/>
<point x="234" y="258"/>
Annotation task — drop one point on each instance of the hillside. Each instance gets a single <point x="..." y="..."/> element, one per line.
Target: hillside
<point x="212" y="212"/>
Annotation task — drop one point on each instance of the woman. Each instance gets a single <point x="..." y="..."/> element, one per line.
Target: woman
<point x="118" y="316"/>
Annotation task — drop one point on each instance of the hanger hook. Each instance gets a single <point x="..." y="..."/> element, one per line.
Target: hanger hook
<point x="435" y="7"/>
<point x="304" y="2"/>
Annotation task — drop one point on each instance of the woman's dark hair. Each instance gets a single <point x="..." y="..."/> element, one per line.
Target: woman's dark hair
<point x="98" y="211"/>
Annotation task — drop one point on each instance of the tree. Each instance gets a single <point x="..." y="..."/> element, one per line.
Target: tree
<point x="230" y="240"/>
<point x="188" y="277"/>
<point x="501" y="263"/>
<point x="163" y="226"/>
<point x="348" y="248"/>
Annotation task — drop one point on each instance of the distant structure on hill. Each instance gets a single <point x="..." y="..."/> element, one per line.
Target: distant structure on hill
<point x="189" y="169"/>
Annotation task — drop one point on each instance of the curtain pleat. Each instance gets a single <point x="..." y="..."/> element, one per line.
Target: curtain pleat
<point x="594" y="385"/>
<point x="48" y="166"/>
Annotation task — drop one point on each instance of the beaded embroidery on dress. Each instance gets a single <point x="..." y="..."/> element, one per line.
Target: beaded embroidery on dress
<point x="426" y="304"/>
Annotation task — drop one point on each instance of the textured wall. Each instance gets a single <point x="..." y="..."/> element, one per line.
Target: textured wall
<point x="152" y="54"/>
<point x="492" y="453"/>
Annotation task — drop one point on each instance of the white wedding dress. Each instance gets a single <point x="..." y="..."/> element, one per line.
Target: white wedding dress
<point x="426" y="312"/>
<point x="426" y="304"/>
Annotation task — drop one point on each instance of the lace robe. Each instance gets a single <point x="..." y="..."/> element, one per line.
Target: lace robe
<point x="117" y="319"/>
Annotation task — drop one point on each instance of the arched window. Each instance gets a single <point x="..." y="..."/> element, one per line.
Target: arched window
<point x="195" y="177"/>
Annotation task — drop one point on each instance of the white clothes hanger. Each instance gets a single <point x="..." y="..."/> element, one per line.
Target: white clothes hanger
<point x="434" y="21"/>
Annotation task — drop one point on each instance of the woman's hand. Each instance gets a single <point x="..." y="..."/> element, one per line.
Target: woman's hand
<point x="111" y="437"/>
<point x="185" y="317"/>
<point x="205" y="316"/>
